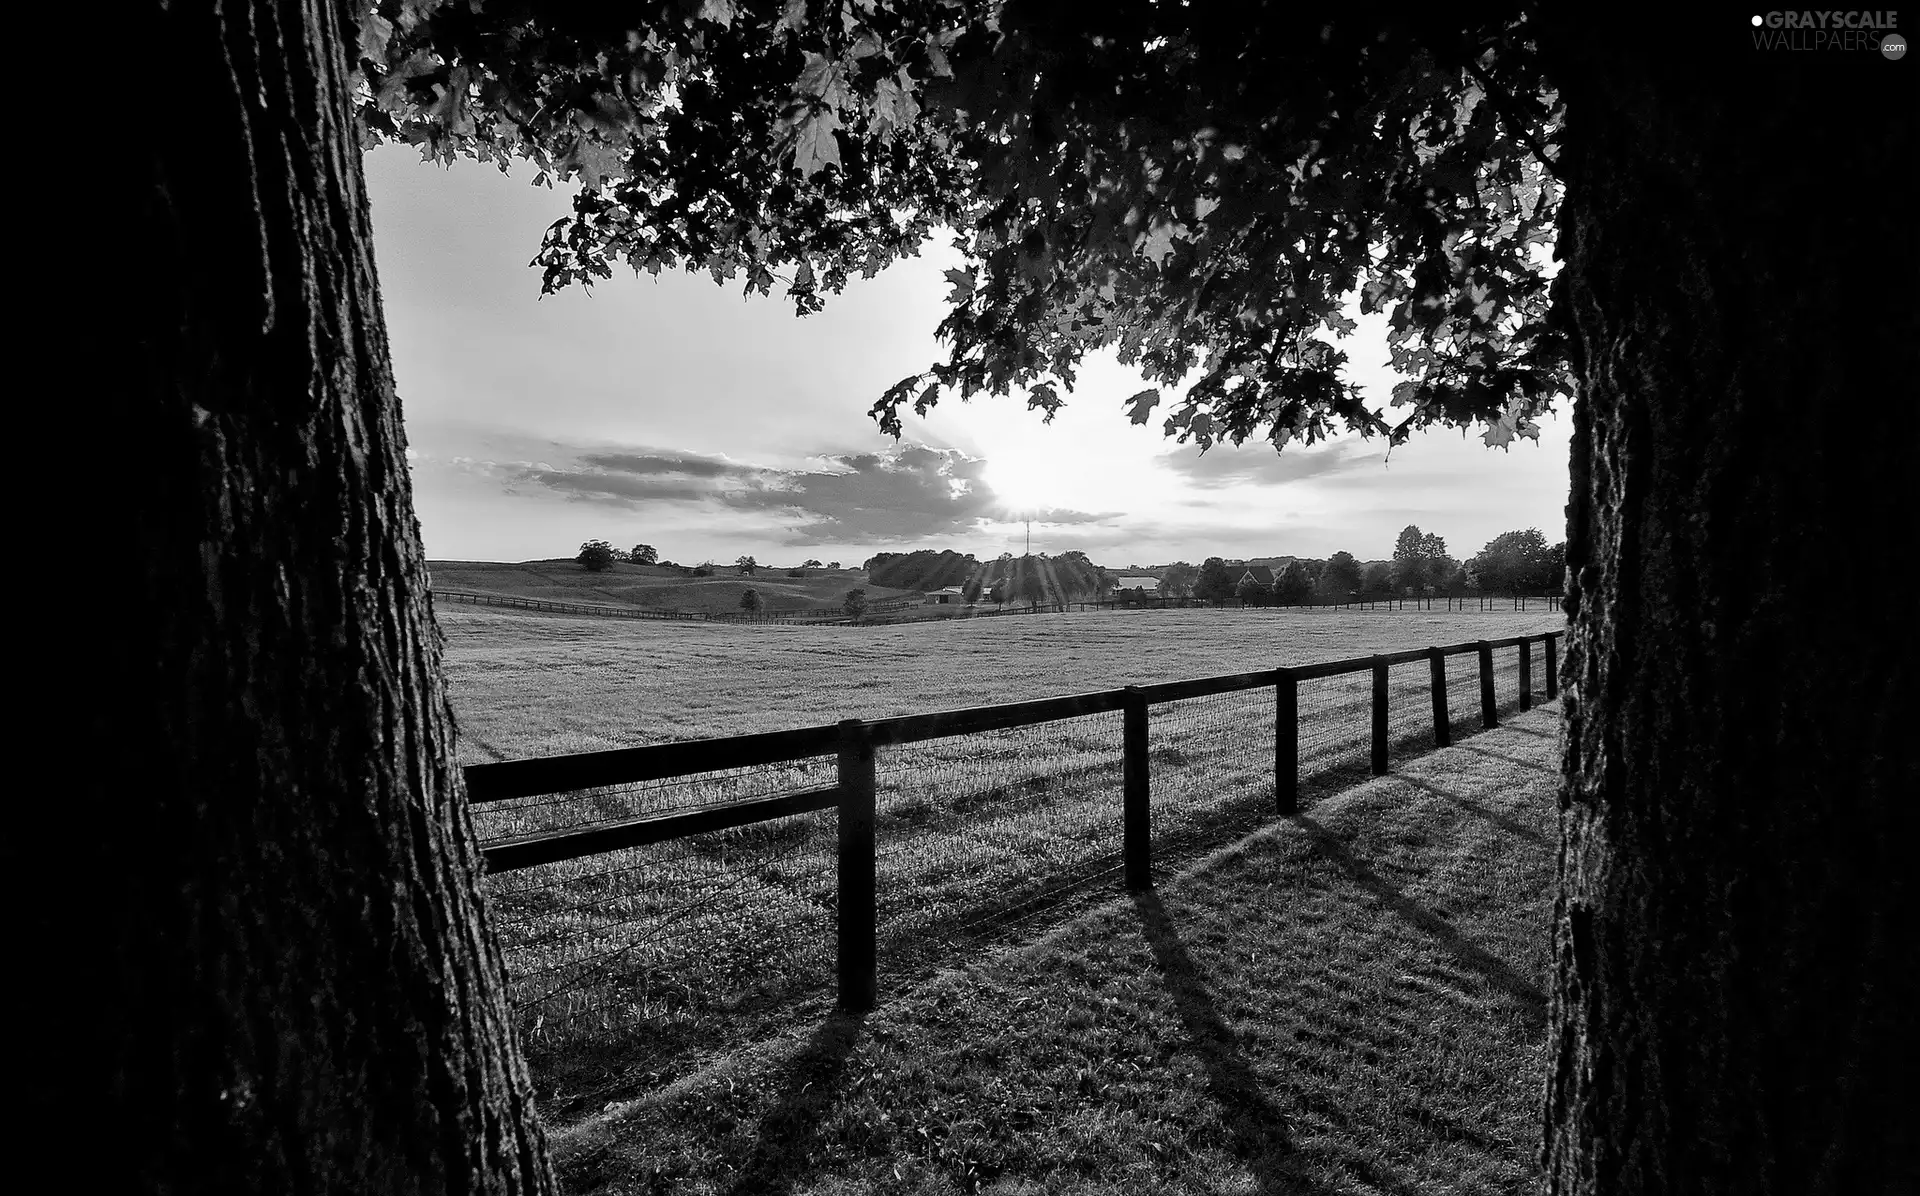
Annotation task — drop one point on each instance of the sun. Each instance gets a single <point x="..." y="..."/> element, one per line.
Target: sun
<point x="1024" y="481"/>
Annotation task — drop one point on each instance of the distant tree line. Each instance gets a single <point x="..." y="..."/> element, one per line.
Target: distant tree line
<point x="1037" y="578"/>
<point x="923" y="570"/>
<point x="1512" y="563"/>
<point x="1516" y="562"/>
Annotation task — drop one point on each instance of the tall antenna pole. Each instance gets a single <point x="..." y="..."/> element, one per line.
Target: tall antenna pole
<point x="1029" y="536"/>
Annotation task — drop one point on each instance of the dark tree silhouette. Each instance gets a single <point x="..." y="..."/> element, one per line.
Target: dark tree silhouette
<point x="597" y="555"/>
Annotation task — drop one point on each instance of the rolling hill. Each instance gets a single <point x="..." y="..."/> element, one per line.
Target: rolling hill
<point x="654" y="587"/>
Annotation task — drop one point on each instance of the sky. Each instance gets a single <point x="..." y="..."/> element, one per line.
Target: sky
<point x="675" y="412"/>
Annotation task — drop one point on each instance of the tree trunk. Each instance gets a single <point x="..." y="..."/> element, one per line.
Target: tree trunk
<point x="302" y="990"/>
<point x="1734" y="940"/>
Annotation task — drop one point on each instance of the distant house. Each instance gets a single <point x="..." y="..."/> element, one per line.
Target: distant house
<point x="948" y="596"/>
<point x="1259" y="573"/>
<point x="1137" y="581"/>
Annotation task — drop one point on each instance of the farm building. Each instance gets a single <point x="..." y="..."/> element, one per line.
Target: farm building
<point x="944" y="597"/>
<point x="1137" y="581"/>
<point x="1259" y="573"/>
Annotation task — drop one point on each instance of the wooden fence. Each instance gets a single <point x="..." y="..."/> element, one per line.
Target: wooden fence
<point x="854" y="741"/>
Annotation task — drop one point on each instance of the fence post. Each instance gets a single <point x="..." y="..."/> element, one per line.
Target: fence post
<point x="1553" y="666"/>
<point x="1526" y="673"/>
<point x="1286" y="743"/>
<point x="1136" y="823"/>
<point x="1487" y="716"/>
<point x="1379" y="717"/>
<point x="1437" y="665"/>
<point x="858" y="951"/>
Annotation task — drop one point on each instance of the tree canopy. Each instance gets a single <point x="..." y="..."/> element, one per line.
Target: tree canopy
<point x="1215" y="582"/>
<point x="1420" y="559"/>
<point x="1519" y="560"/>
<point x="597" y="555"/>
<point x="1178" y="580"/>
<point x="1126" y="177"/>
<point x="1341" y="577"/>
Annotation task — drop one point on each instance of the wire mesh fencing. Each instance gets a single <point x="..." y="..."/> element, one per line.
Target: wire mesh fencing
<point x="1538" y="653"/>
<point x="1336" y="728"/>
<point x="1212" y="766"/>
<point x="972" y="829"/>
<point x="1409" y="709"/>
<point x="1506" y="681"/>
<point x="1463" y="695"/>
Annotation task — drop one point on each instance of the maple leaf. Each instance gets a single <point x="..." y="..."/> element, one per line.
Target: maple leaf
<point x="375" y="32"/>
<point x="1142" y="404"/>
<point x="822" y="80"/>
<point x="595" y="161"/>
<point x="720" y="12"/>
<point x="1511" y="423"/>
<point x="893" y="105"/>
<point x="963" y="284"/>
<point x="814" y="146"/>
<point x="451" y="106"/>
<point x="1157" y="245"/>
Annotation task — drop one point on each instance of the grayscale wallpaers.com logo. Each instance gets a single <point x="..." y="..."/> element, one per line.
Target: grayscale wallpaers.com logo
<point x="1803" y="29"/>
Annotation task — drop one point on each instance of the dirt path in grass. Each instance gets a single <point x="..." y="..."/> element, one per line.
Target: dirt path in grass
<point x="1348" y="1001"/>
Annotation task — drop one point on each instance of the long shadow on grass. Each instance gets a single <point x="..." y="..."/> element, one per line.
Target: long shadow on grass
<point x="1260" y="1134"/>
<point x="1516" y="761"/>
<point x="1512" y="826"/>
<point x="809" y="1085"/>
<point x="1530" y="730"/>
<point x="1526" y="994"/>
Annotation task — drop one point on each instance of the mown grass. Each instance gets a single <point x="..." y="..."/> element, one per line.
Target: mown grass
<point x="526" y="684"/>
<point x="632" y="964"/>
<point x="631" y="967"/>
<point x="1350" y="1001"/>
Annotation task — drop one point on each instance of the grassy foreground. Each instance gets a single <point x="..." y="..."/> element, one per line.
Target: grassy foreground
<point x="1351" y="1001"/>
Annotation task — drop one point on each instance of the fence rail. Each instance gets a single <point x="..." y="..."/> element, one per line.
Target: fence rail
<point x="717" y="827"/>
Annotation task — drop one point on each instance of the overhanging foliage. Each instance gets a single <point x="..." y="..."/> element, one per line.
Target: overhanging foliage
<point x="1205" y="190"/>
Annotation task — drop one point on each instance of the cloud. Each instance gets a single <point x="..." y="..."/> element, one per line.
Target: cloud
<point x="661" y="463"/>
<point x="904" y="494"/>
<point x="1225" y="465"/>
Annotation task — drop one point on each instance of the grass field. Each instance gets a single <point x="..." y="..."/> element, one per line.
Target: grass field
<point x="653" y="587"/>
<point x="714" y="942"/>
<point x="1350" y="1001"/>
<point x="535" y="685"/>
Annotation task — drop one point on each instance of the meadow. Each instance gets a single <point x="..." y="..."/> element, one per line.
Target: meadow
<point x="1350" y="1000"/>
<point x="526" y="684"/>
<point x="714" y="942"/>
<point x="656" y="587"/>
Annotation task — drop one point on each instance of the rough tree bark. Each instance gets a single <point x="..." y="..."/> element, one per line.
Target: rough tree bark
<point x="302" y="994"/>
<point x="1733" y="943"/>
